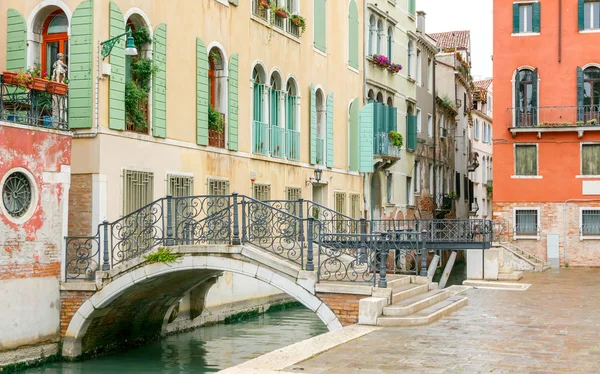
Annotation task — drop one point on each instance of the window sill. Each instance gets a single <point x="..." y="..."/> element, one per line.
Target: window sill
<point x="525" y="34"/>
<point x="392" y="2"/>
<point x="526" y="237"/>
<point x="353" y="69"/>
<point x="589" y="31"/>
<point x="411" y="79"/>
<point x="526" y="177"/>
<point x="273" y="28"/>
<point x="318" y="51"/>
<point x="587" y="176"/>
<point x="589" y="237"/>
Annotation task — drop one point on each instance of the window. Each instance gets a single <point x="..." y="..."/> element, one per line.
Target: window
<point x="526" y="97"/>
<point x="429" y="75"/>
<point x="277" y="131"/>
<point x="258" y="10"/>
<point x="293" y="193"/>
<point x="591" y="91"/>
<point x="355" y="206"/>
<point x="419" y="120"/>
<point x="476" y="130"/>
<point x="429" y="125"/>
<point x="389" y="188"/>
<point x="180" y="185"/>
<point x="379" y="36"/>
<point x="340" y="202"/>
<point x="526" y="159"/>
<point x="526" y="17"/>
<point x="590" y="222"/>
<point x="430" y="179"/>
<point x="389" y="42"/>
<point x="590" y="159"/>
<point x="409" y="191"/>
<point x="372" y="38"/>
<point x="591" y="15"/>
<point x="419" y="78"/>
<point x="258" y="90"/>
<point x="412" y="7"/>
<point x="292" y="145"/>
<point x="353" y="35"/>
<point x="217" y="186"/>
<point x="261" y="191"/>
<point x="217" y="83"/>
<point x="417" y="175"/>
<point x="442" y="121"/>
<point x="54" y="40"/>
<point x="17" y="194"/>
<point x="410" y="52"/>
<point x="138" y="189"/>
<point x="526" y="222"/>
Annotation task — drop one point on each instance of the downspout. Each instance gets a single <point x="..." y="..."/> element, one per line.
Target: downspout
<point x="434" y="139"/>
<point x="565" y="222"/>
<point x="364" y="97"/>
<point x="559" y="30"/>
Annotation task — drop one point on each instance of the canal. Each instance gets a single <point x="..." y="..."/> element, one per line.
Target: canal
<point x="203" y="350"/>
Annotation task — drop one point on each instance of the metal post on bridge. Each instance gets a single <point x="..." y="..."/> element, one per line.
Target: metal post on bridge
<point x="301" y="216"/>
<point x="235" y="240"/>
<point x="244" y="229"/>
<point x="169" y="221"/>
<point x="362" y="254"/>
<point x="423" y="253"/>
<point x="310" y="266"/>
<point x="382" y="266"/>
<point x="105" y="265"/>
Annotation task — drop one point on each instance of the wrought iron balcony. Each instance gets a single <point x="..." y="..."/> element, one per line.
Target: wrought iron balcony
<point x="384" y="148"/>
<point x="277" y="140"/>
<point x="33" y="107"/>
<point x="444" y="202"/>
<point x="554" y="119"/>
<point x="292" y="145"/>
<point x="474" y="207"/>
<point x="261" y="137"/>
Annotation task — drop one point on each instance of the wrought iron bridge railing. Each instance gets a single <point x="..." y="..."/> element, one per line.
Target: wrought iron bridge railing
<point x="300" y="231"/>
<point x="33" y="107"/>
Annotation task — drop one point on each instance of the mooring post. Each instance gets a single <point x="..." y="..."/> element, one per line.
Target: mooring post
<point x="169" y="221"/>
<point x="235" y="240"/>
<point x="310" y="266"/>
<point x="105" y="265"/>
<point x="423" y="253"/>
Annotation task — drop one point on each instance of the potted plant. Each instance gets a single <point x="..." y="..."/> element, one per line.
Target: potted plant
<point x="299" y="21"/>
<point x="22" y="79"/>
<point x="452" y="195"/>
<point x="281" y="12"/>
<point x="394" y="68"/>
<point x="38" y="81"/>
<point x="264" y="4"/>
<point x="381" y="61"/>
<point x="9" y="77"/>
<point x="396" y="138"/>
<point x="215" y="120"/>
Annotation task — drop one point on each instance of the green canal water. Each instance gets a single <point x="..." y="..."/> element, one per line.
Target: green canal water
<point x="204" y="350"/>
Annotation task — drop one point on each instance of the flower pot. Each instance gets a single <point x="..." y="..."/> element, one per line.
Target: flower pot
<point x="297" y="21"/>
<point x="56" y="88"/>
<point x="281" y="14"/>
<point x="38" y="84"/>
<point x="264" y="4"/>
<point x="9" y="77"/>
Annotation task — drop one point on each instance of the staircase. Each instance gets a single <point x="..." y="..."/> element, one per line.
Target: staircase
<point x="415" y="301"/>
<point x="536" y="264"/>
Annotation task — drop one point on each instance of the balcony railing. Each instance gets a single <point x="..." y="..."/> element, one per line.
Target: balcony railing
<point x="32" y="107"/>
<point x="261" y="137"/>
<point x="383" y="147"/>
<point x="292" y="28"/>
<point x="278" y="22"/>
<point x="443" y="202"/>
<point x="320" y="151"/>
<point x="217" y="138"/>
<point x="554" y="117"/>
<point x="277" y="139"/>
<point x="292" y="146"/>
<point x="258" y="10"/>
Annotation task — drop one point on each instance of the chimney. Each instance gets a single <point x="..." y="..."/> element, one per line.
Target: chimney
<point x="421" y="21"/>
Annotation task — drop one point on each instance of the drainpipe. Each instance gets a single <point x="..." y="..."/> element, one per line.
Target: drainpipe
<point x="364" y="96"/>
<point x="559" y="30"/>
<point x="565" y="222"/>
<point x="434" y="139"/>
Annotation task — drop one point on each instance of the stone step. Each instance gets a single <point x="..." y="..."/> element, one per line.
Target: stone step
<point x="414" y="304"/>
<point x="408" y="291"/>
<point x="504" y="270"/>
<point x="427" y="315"/>
<point x="513" y="275"/>
<point x="398" y="282"/>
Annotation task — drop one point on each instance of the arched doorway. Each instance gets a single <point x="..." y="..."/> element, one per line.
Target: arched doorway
<point x="217" y="82"/>
<point x="55" y="40"/>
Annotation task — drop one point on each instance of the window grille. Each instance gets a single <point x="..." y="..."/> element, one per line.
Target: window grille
<point x="180" y="185"/>
<point x="355" y="206"/>
<point x="218" y="186"/>
<point x="526" y="222"/>
<point x="340" y="207"/>
<point x="138" y="189"/>
<point x="293" y="193"/>
<point x="261" y="191"/>
<point x="590" y="222"/>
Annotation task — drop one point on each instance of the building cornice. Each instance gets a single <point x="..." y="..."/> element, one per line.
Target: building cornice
<point x="382" y="13"/>
<point x="381" y="86"/>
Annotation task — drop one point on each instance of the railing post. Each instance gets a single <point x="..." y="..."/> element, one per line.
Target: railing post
<point x="235" y="240"/>
<point x="301" y="216"/>
<point x="244" y="228"/>
<point x="382" y="267"/>
<point x="423" y="253"/>
<point x="169" y="221"/>
<point x="105" y="265"/>
<point x="362" y="251"/>
<point x="310" y="266"/>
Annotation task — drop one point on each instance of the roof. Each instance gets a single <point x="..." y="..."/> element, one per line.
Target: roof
<point x="483" y="84"/>
<point x="453" y="39"/>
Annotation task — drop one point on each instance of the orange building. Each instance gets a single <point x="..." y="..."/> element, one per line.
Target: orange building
<point x="546" y="127"/>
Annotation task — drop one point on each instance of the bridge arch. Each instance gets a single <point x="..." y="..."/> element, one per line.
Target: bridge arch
<point x="139" y="297"/>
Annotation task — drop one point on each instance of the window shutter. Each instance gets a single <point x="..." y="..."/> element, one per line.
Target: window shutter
<point x="117" y="74"/>
<point x="233" y="107"/>
<point x="365" y="150"/>
<point x="515" y="18"/>
<point x="457" y="182"/>
<point x="517" y="99"/>
<point x="330" y="123"/>
<point x="353" y="136"/>
<point x="393" y="124"/>
<point x="320" y="26"/>
<point x="536" y="17"/>
<point x="581" y="15"/>
<point x="534" y="96"/>
<point x="80" y="76"/>
<point x="580" y="94"/>
<point x="16" y="41"/>
<point x="313" y="125"/>
<point x="159" y="83"/>
<point x="202" y="100"/>
<point x="411" y="133"/>
<point x="353" y="35"/>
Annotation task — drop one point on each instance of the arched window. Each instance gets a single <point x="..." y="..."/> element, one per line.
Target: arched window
<point x="217" y="84"/>
<point x="372" y="35"/>
<point x="54" y="40"/>
<point x="321" y="127"/>
<point x="371" y="96"/>
<point x="390" y="102"/>
<point x="390" y="36"/>
<point x="137" y="78"/>
<point x="379" y="97"/>
<point x="292" y="145"/>
<point x="379" y="36"/>
<point x="260" y="129"/>
<point x="591" y="89"/>
<point x="409" y="57"/>
<point x="258" y="89"/>
<point x="276" y="118"/>
<point x="526" y="97"/>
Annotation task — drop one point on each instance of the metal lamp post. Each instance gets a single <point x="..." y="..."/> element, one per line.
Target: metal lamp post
<point x="130" y="49"/>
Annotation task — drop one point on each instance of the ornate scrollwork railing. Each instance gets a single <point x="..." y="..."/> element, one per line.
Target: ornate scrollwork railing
<point x="202" y="219"/>
<point x="82" y="257"/>
<point x="347" y="257"/>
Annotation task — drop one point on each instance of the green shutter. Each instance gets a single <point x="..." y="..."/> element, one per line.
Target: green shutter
<point x="202" y="101"/>
<point x="536" y="17"/>
<point x="516" y="8"/>
<point x="411" y="7"/>
<point x="159" y="83"/>
<point x="353" y="35"/>
<point x="320" y="26"/>
<point x="16" y="41"/>
<point x="581" y="15"/>
<point x="411" y="133"/>
<point x="534" y="95"/>
<point x="365" y="150"/>
<point x="353" y="136"/>
<point x="580" y="94"/>
<point x="330" y="123"/>
<point x="393" y="123"/>
<point x="80" y="65"/>
<point x="232" y="117"/>
<point x="313" y="125"/>
<point x="116" y="119"/>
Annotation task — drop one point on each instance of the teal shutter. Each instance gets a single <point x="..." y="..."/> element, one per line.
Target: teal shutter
<point x="411" y="7"/>
<point x="353" y="136"/>
<point x="580" y="94"/>
<point x="365" y="151"/>
<point x="116" y="119"/>
<point x="233" y="106"/>
<point x="393" y="123"/>
<point x="320" y="26"/>
<point x="581" y="15"/>
<point x="80" y="76"/>
<point x="536" y="17"/>
<point x="353" y="35"/>
<point x="202" y="101"/>
<point x="313" y="125"/>
<point x="16" y="41"/>
<point x="159" y="83"/>
<point x="330" y="123"/>
<point x="516" y="18"/>
<point x="411" y="133"/>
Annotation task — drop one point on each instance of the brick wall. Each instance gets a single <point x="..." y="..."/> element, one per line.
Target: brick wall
<point x="581" y="253"/>
<point x="70" y="302"/>
<point x="30" y="270"/>
<point x="80" y="205"/>
<point x="345" y="306"/>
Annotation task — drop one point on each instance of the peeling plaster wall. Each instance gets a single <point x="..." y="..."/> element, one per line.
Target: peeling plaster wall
<point x="31" y="251"/>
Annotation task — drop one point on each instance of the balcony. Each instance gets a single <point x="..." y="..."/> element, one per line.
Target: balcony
<point x="292" y="145"/>
<point x="320" y="151"/>
<point x="382" y="147"/>
<point x="34" y="107"/>
<point x="261" y="138"/>
<point x="554" y="119"/>
<point x="444" y="202"/>
<point x="277" y="139"/>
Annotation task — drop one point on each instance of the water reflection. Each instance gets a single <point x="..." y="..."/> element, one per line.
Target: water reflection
<point x="205" y="350"/>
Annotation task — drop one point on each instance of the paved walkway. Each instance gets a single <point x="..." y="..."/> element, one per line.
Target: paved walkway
<point x="553" y="327"/>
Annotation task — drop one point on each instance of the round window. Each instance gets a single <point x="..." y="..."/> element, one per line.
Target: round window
<point x="16" y="194"/>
